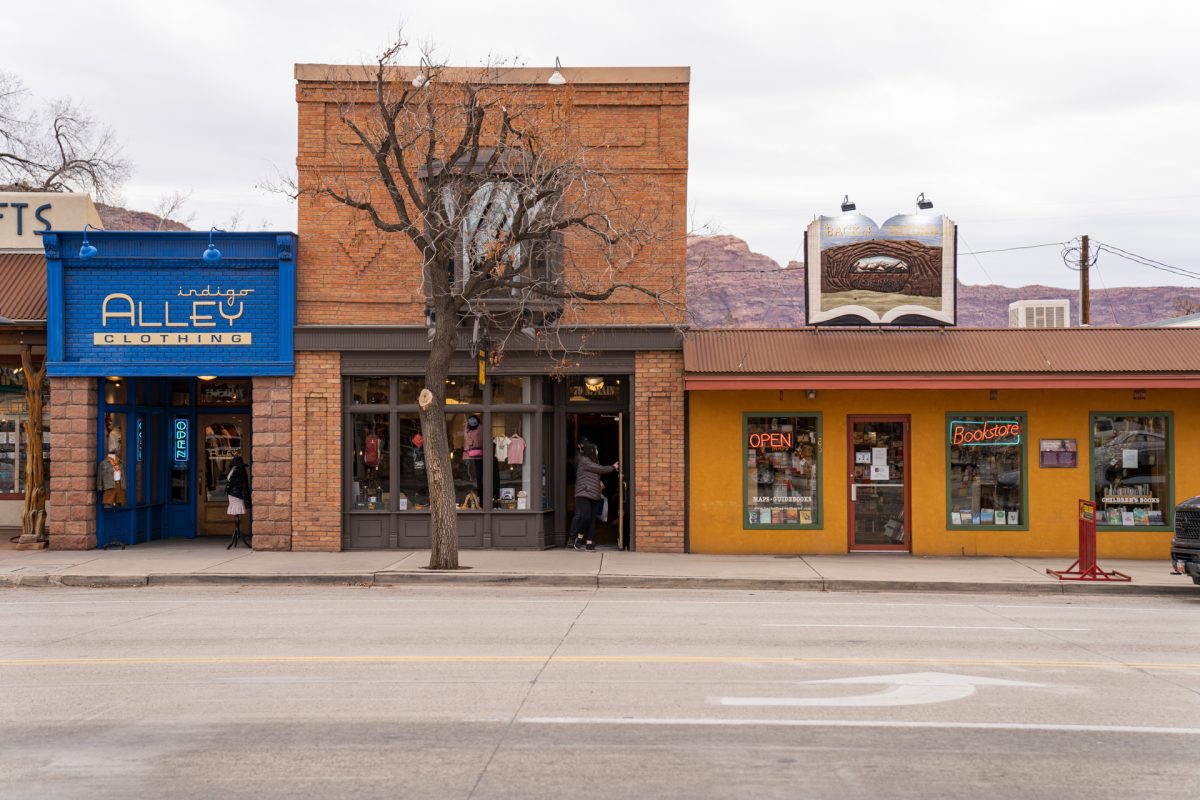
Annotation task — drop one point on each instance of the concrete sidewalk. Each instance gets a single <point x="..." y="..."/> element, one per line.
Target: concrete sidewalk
<point x="206" y="561"/>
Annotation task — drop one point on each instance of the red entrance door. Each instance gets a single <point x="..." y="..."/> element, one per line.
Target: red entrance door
<point x="878" y="485"/>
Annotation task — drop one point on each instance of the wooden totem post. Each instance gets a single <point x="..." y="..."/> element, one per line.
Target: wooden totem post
<point x="33" y="518"/>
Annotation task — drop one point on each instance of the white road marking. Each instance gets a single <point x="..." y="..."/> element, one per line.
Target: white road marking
<point x="836" y="723"/>
<point x="917" y="627"/>
<point x="910" y="689"/>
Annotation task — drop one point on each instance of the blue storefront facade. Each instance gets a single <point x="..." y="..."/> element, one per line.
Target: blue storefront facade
<point x="156" y="345"/>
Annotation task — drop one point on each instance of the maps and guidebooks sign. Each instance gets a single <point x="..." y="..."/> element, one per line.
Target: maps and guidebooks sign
<point x="900" y="273"/>
<point x="146" y="303"/>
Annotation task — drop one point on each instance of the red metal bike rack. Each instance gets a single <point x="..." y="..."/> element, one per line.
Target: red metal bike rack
<point x="1084" y="568"/>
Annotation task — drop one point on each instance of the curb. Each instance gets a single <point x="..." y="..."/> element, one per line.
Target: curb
<point x="561" y="581"/>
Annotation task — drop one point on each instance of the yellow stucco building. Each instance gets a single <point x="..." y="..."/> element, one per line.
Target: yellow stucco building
<point x="940" y="441"/>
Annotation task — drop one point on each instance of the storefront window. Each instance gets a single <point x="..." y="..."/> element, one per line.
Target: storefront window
<point x="412" y="483"/>
<point x="468" y="446"/>
<point x="509" y="442"/>
<point x="595" y="388"/>
<point x="986" y="469"/>
<point x="491" y="453"/>
<point x="369" y="391"/>
<point x="14" y="445"/>
<point x="371" y="480"/>
<point x="1131" y="462"/>
<point x="510" y="391"/>
<point x="116" y="392"/>
<point x="223" y="393"/>
<point x="463" y="390"/>
<point x="782" y="483"/>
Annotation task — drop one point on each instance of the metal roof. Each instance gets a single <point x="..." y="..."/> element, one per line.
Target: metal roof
<point x="927" y="354"/>
<point x="23" y="286"/>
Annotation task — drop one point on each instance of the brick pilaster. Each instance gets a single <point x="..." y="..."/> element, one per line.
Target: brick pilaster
<point x="658" y="417"/>
<point x="72" y="506"/>
<point x="271" y="464"/>
<point x="317" y="452"/>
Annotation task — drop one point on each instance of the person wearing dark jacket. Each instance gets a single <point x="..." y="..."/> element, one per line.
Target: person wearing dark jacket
<point x="589" y="493"/>
<point x="237" y="489"/>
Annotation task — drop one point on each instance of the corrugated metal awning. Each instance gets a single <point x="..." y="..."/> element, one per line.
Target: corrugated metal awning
<point x="23" y="286"/>
<point x="942" y="358"/>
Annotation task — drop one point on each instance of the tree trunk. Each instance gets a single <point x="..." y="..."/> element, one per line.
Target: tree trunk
<point x="33" y="516"/>
<point x="439" y="469"/>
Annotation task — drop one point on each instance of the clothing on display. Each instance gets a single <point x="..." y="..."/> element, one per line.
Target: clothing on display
<point x="516" y="449"/>
<point x="501" y="443"/>
<point x="109" y="481"/>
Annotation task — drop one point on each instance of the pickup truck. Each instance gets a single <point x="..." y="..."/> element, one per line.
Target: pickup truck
<point x="1185" y="547"/>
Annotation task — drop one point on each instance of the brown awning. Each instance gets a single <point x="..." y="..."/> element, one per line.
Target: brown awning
<point x="23" y="287"/>
<point x="811" y="358"/>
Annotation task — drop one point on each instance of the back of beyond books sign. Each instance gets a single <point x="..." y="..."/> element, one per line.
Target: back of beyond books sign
<point x="900" y="273"/>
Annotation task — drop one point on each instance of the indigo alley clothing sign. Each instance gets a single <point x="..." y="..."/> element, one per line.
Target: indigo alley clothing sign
<point x="148" y="304"/>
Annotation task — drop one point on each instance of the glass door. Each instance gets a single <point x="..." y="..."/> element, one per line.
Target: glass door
<point x="221" y="438"/>
<point x="878" y="483"/>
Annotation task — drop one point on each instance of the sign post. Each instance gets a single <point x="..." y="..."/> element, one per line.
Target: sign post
<point x="1084" y="568"/>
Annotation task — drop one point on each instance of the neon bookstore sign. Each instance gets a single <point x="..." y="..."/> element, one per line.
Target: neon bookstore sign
<point x="985" y="433"/>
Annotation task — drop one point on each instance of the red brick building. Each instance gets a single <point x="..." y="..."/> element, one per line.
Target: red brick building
<point x="341" y="450"/>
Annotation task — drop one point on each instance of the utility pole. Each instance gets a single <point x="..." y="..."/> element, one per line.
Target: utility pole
<point x="1085" y="300"/>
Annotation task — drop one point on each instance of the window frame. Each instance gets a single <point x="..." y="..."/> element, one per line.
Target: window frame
<point x="818" y="522"/>
<point x="1023" y="418"/>
<point x="1167" y="503"/>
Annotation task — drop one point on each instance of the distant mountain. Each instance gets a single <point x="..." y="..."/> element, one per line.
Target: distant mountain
<point x="123" y="219"/>
<point x="731" y="286"/>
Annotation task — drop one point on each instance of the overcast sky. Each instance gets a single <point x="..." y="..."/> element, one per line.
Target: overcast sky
<point x="1026" y="122"/>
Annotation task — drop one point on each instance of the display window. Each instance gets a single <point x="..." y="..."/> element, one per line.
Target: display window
<point x="985" y="469"/>
<point x="14" y="446"/>
<point x="782" y="470"/>
<point x="1131" y="469"/>
<point x="512" y="489"/>
<point x="371" y="487"/>
<point x="490" y="430"/>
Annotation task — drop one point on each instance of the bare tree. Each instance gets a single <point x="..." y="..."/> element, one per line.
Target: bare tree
<point x="59" y="148"/>
<point x="515" y="222"/>
<point x="170" y="208"/>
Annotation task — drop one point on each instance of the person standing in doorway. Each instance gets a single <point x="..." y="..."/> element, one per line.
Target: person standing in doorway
<point x="589" y="493"/>
<point x="237" y="489"/>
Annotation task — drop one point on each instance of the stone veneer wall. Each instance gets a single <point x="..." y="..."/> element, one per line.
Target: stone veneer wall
<point x="659" y="463"/>
<point x="316" y="495"/>
<point x="72" y="502"/>
<point x="271" y="464"/>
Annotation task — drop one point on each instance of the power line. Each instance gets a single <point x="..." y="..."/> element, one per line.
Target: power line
<point x="1148" y="262"/>
<point x="1009" y="249"/>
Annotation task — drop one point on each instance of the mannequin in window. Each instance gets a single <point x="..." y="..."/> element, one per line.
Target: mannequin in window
<point x="237" y="489"/>
<point x="473" y="451"/>
<point x="110" y="480"/>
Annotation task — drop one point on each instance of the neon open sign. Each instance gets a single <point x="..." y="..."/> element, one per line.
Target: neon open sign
<point x="181" y="440"/>
<point x="985" y="433"/>
<point x="771" y="441"/>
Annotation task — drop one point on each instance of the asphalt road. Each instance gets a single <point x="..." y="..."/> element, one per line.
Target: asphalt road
<point x="528" y="693"/>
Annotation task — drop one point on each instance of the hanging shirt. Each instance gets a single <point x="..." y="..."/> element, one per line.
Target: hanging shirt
<point x="516" y="449"/>
<point x="501" y="448"/>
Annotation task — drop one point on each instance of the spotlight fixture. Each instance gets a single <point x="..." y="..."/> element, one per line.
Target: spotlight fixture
<point x="207" y="377"/>
<point x="922" y="203"/>
<point x="422" y="78"/>
<point x="211" y="253"/>
<point x="811" y="394"/>
<point x="847" y="205"/>
<point x="88" y="249"/>
<point x="556" y="78"/>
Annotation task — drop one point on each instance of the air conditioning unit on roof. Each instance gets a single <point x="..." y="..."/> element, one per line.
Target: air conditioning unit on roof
<point x="1039" y="314"/>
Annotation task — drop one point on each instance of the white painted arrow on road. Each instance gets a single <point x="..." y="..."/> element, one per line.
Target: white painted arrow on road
<point x="911" y="689"/>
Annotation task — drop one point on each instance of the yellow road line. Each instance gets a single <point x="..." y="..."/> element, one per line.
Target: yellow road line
<point x="609" y="659"/>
